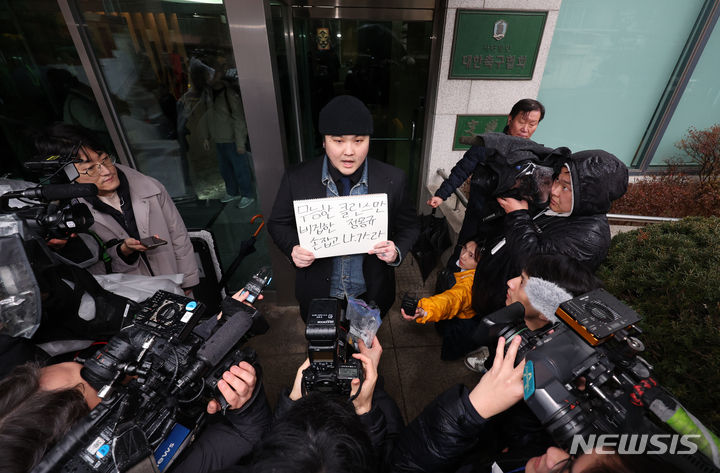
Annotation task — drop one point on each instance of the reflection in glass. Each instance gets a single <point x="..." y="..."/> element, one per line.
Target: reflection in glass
<point x="41" y="81"/>
<point x="607" y="69"/>
<point x="170" y="69"/>
<point x="699" y="106"/>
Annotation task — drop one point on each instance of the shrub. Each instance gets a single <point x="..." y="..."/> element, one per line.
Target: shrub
<point x="674" y="194"/>
<point x="669" y="273"/>
<point x="670" y="194"/>
<point x="703" y="149"/>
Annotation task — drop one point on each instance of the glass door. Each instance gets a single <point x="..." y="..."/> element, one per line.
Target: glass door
<point x="170" y="72"/>
<point x="41" y="82"/>
<point x="381" y="56"/>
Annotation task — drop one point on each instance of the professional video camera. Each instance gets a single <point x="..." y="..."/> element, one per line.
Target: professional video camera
<point x="512" y="167"/>
<point x="23" y="248"/>
<point x="58" y="218"/>
<point x="332" y="367"/>
<point x="58" y="215"/>
<point x="174" y="363"/>
<point x="584" y="378"/>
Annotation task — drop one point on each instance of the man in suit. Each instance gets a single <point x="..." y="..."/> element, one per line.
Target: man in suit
<point x="346" y="125"/>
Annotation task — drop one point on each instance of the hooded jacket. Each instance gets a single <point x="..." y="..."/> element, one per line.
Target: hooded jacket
<point x="598" y="178"/>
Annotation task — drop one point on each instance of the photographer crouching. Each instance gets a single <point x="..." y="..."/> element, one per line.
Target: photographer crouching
<point x="336" y="417"/>
<point x="58" y="405"/>
<point x="448" y="435"/>
<point x="570" y="350"/>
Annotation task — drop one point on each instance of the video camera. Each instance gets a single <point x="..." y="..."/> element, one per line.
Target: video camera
<point x="23" y="247"/>
<point x="332" y="367"/>
<point x="512" y="167"/>
<point x="585" y="377"/>
<point x="175" y="364"/>
<point x="59" y="217"/>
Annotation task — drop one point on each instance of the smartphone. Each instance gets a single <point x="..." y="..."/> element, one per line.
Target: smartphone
<point x="152" y="241"/>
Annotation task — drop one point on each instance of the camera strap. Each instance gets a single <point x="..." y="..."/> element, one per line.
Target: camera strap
<point x="103" y="246"/>
<point x="502" y="242"/>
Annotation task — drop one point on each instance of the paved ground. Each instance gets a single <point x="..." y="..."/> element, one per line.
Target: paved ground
<point x="411" y="366"/>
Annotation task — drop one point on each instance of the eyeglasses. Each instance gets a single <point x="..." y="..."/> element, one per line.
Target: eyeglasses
<point x="94" y="170"/>
<point x="564" y="466"/>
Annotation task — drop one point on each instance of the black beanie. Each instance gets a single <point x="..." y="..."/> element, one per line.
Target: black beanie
<point x="345" y="115"/>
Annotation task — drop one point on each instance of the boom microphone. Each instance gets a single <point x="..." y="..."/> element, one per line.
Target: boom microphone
<point x="57" y="192"/>
<point x="218" y="345"/>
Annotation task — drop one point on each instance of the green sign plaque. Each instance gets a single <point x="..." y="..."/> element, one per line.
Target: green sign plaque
<point x="490" y="44"/>
<point x="471" y="125"/>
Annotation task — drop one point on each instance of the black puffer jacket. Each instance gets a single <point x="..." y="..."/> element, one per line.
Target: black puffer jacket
<point x="598" y="178"/>
<point x="440" y="438"/>
<point x="449" y="435"/>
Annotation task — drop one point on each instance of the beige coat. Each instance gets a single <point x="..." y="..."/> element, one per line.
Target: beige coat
<point x="155" y="214"/>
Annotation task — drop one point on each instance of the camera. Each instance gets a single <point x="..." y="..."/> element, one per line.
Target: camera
<point x="156" y="377"/>
<point x="409" y="303"/>
<point x="511" y="167"/>
<point x="59" y="217"/>
<point x="332" y="367"/>
<point x="24" y="252"/>
<point x="584" y="376"/>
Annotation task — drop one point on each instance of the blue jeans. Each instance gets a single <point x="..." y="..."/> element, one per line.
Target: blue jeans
<point x="234" y="169"/>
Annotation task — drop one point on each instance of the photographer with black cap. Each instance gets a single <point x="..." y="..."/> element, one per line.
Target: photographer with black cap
<point x="346" y="125"/>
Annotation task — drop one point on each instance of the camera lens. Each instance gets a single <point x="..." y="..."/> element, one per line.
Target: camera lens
<point x="104" y="365"/>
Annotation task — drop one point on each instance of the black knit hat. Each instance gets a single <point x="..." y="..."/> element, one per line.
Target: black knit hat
<point x="345" y="115"/>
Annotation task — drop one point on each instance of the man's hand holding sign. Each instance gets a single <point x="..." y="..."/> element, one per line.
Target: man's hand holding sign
<point x="337" y="226"/>
<point x="345" y="220"/>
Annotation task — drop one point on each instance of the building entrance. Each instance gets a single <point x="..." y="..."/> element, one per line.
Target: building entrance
<point x="380" y="55"/>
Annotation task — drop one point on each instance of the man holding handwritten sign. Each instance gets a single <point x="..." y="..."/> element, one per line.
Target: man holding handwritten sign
<point x="351" y="213"/>
<point x="338" y="226"/>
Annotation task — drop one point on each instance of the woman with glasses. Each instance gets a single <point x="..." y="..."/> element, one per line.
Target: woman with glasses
<point x="129" y="206"/>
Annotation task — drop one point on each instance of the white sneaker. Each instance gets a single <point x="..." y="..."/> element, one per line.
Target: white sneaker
<point x="475" y="360"/>
<point x="229" y="198"/>
<point x="244" y="202"/>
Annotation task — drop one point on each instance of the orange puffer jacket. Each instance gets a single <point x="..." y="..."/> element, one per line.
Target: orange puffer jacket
<point x="455" y="302"/>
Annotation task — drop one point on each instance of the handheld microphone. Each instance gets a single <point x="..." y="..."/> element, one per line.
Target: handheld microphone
<point x="52" y="192"/>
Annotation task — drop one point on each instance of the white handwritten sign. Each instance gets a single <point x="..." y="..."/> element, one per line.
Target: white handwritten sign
<point x="346" y="225"/>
